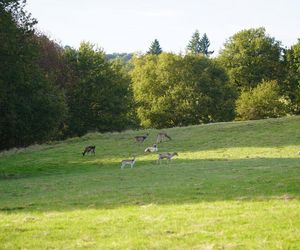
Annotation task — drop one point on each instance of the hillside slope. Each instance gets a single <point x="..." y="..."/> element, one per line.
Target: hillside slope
<point x="233" y="185"/>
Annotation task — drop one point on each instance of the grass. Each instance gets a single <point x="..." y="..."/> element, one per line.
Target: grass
<point x="233" y="186"/>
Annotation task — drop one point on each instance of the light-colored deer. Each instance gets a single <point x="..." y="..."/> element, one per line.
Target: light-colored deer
<point x="162" y="136"/>
<point x="141" y="138"/>
<point x="168" y="156"/>
<point x="151" y="149"/>
<point x="127" y="162"/>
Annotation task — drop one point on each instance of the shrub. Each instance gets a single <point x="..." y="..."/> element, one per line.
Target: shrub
<point x="263" y="101"/>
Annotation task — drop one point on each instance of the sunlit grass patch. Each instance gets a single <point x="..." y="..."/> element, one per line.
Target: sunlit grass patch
<point x="232" y="186"/>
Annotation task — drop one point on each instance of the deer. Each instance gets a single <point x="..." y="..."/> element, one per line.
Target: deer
<point x="141" y="138"/>
<point x="89" y="149"/>
<point x="161" y="137"/>
<point x="151" y="149"/>
<point x="128" y="162"/>
<point x="168" y="156"/>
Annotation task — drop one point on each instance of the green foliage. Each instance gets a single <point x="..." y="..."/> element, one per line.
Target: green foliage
<point x="98" y="99"/>
<point x="292" y="81"/>
<point x="52" y="61"/>
<point x="251" y="56"/>
<point x="171" y="90"/>
<point x="31" y="108"/>
<point x="264" y="101"/>
<point x="155" y="48"/>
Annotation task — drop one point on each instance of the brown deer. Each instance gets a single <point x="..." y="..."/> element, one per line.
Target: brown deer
<point x="141" y="138"/>
<point x="168" y="156"/>
<point x="89" y="149"/>
<point x="161" y="137"/>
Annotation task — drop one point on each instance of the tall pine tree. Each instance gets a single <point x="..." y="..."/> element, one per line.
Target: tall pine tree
<point x="204" y="45"/>
<point x="155" y="48"/>
<point x="194" y="46"/>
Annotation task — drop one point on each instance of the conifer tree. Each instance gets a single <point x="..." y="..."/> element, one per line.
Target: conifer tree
<point x="194" y="46"/>
<point x="204" y="45"/>
<point x="155" y="48"/>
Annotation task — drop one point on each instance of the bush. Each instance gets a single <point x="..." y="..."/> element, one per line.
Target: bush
<point x="264" y="101"/>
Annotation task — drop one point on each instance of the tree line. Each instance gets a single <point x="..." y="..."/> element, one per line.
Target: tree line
<point x="50" y="92"/>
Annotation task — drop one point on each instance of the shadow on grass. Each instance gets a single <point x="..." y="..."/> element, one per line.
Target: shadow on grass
<point x="179" y="182"/>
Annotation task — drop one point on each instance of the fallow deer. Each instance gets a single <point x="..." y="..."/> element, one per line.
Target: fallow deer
<point x="151" y="149"/>
<point x="168" y="156"/>
<point x="162" y="136"/>
<point x="141" y="138"/>
<point x="127" y="162"/>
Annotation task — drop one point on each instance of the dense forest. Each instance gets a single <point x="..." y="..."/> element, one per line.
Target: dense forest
<point x="51" y="92"/>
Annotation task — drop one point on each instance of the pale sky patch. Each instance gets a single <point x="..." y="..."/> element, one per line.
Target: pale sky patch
<point x="131" y="25"/>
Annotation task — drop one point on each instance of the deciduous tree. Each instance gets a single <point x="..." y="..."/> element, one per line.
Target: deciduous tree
<point x="251" y="56"/>
<point x="99" y="99"/>
<point x="292" y="81"/>
<point x="31" y="108"/>
<point x="171" y="90"/>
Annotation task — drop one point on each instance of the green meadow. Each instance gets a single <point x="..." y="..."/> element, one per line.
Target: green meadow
<point x="233" y="185"/>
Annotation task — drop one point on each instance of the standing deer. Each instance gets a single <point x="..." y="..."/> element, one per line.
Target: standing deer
<point x="89" y="149"/>
<point x="161" y="137"/>
<point x="168" y="156"/>
<point x="127" y="162"/>
<point x="141" y="138"/>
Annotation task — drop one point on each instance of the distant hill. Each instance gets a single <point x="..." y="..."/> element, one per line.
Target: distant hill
<point x="123" y="56"/>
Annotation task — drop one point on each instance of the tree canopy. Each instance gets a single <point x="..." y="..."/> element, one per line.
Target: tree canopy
<point x="31" y="108"/>
<point x="292" y="79"/>
<point x="171" y="90"/>
<point x="98" y="100"/>
<point x="251" y="56"/>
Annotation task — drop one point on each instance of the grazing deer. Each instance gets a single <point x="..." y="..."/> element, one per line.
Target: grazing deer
<point x="89" y="149"/>
<point x="151" y="149"/>
<point x="161" y="137"/>
<point x="141" y="138"/>
<point x="127" y="162"/>
<point x="168" y="156"/>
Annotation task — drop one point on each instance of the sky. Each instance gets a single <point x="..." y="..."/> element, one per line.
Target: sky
<point x="131" y="25"/>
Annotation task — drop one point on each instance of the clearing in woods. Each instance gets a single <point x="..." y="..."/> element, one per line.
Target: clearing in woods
<point x="233" y="185"/>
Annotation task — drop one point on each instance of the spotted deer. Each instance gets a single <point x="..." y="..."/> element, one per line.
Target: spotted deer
<point x="168" y="156"/>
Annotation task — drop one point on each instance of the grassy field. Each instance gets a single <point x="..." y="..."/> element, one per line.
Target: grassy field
<point x="233" y="186"/>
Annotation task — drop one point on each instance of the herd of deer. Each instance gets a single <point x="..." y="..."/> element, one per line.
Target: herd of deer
<point x="140" y="139"/>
